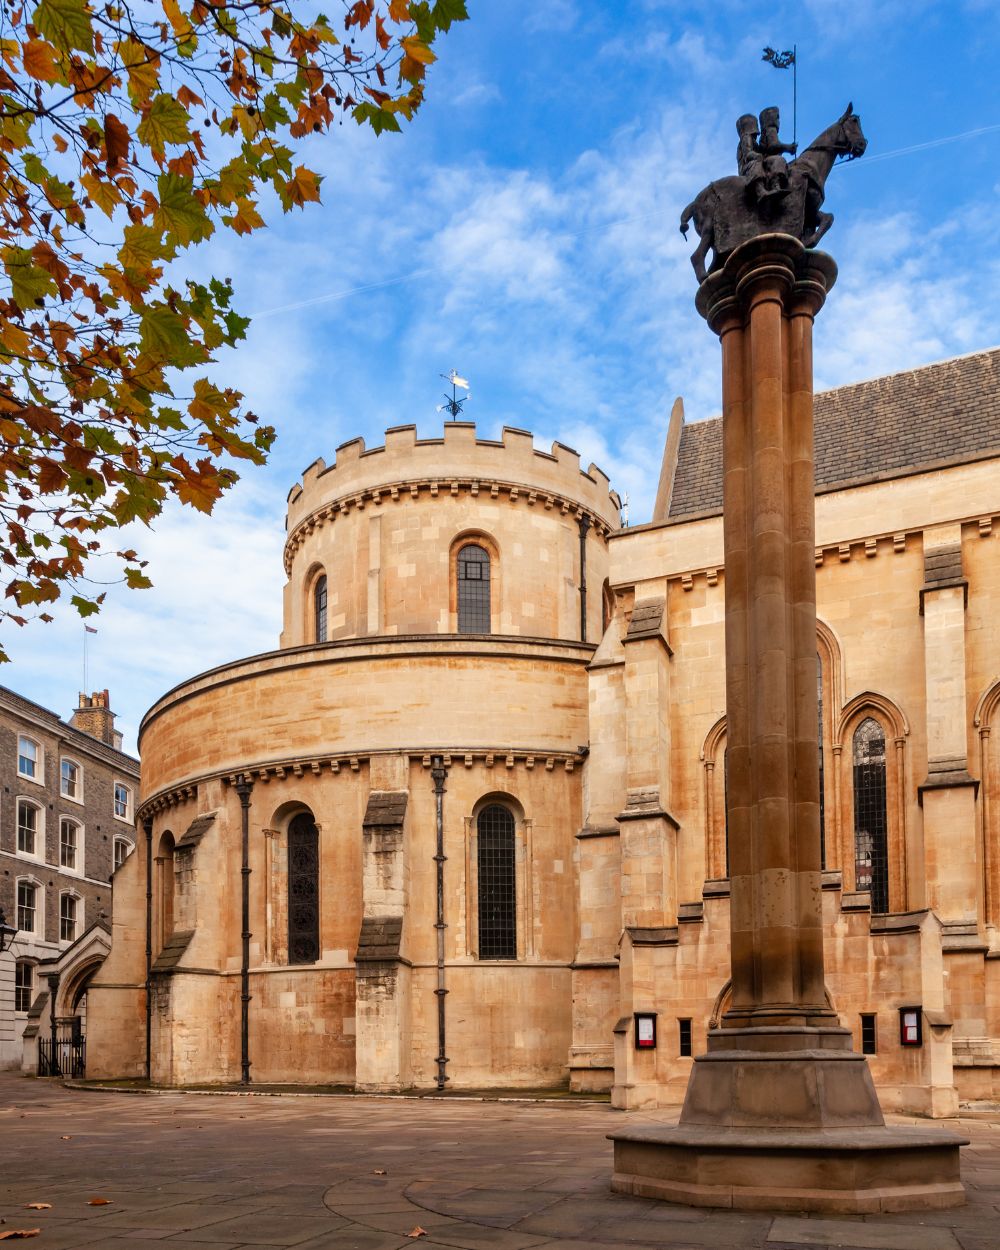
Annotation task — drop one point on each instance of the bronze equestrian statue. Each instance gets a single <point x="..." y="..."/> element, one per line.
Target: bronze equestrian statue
<point x="770" y="195"/>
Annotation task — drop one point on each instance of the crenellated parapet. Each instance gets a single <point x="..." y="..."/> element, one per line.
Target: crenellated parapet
<point x="406" y="468"/>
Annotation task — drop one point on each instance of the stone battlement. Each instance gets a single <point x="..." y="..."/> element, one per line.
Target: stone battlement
<point x="455" y="460"/>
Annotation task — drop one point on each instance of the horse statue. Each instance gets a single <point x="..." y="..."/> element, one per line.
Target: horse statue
<point x="725" y="215"/>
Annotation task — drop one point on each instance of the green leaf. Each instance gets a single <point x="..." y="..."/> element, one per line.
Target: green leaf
<point x="376" y="117"/>
<point x="163" y="333"/>
<point x="65" y="23"/>
<point x="86" y="607"/>
<point x="166" y="122"/>
<point x="30" y="284"/>
<point x="180" y="214"/>
<point x="135" y="580"/>
<point x="448" y="11"/>
<point x="424" y="21"/>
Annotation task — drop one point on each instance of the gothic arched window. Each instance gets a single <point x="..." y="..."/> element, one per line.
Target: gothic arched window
<point x="497" y="888"/>
<point x="819" y="741"/>
<point x="303" y="890"/>
<point x="319" y="608"/>
<point x="473" y="590"/>
<point x="871" y="856"/>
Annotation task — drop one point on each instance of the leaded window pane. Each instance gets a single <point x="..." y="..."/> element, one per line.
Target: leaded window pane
<point x="319" y="606"/>
<point x="497" y="890"/>
<point x="473" y="590"/>
<point x="303" y="890"/>
<point x="871" y="856"/>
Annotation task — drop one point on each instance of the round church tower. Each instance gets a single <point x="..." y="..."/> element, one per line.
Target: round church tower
<point x="398" y="785"/>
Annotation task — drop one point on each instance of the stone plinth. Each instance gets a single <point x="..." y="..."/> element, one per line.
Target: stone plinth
<point x="865" y="1170"/>
<point x="780" y="1112"/>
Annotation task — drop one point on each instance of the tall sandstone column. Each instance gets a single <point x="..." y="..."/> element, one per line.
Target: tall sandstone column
<point x="780" y="1112"/>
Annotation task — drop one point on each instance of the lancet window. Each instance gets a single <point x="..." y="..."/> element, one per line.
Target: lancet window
<point x="319" y="608"/>
<point x="497" y="883"/>
<point x="871" y="857"/>
<point x="303" y="890"/>
<point x="473" y="590"/>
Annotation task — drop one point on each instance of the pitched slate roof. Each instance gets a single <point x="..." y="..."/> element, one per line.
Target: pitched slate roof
<point x="887" y="427"/>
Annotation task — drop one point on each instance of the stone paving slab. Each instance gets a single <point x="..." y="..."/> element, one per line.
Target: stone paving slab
<point x="202" y="1173"/>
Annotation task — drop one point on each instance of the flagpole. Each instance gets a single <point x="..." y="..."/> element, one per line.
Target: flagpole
<point x="795" y="92"/>
<point x="85" y="658"/>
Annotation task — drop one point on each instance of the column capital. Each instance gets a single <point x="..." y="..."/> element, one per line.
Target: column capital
<point x="772" y="266"/>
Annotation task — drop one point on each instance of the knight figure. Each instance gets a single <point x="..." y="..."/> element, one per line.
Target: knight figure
<point x="760" y="156"/>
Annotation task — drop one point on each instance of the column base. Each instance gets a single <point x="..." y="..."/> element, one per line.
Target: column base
<point x="860" y="1171"/>
<point x="781" y="1077"/>
<point x="787" y="1119"/>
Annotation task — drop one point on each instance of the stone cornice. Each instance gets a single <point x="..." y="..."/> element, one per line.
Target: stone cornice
<point x="332" y="764"/>
<point x="437" y="488"/>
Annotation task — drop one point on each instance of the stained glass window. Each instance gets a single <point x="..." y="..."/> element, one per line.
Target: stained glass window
<point x="871" y="856"/>
<point x="303" y="890"/>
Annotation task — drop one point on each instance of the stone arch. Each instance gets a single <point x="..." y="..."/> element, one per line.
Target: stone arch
<point x="986" y="717"/>
<point x="891" y="718"/>
<point x="278" y="881"/>
<point x="713" y="759"/>
<point x="476" y="538"/>
<point x="312" y="610"/>
<point x="163" y="894"/>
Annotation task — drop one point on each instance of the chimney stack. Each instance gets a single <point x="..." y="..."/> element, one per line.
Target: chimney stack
<point x="93" y="715"/>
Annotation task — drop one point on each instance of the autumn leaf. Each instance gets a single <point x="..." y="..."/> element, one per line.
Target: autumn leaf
<point x="66" y="23"/>
<point x="20" y="1234"/>
<point x="38" y="1206"/>
<point x="417" y="1232"/>
<point x="99" y="1202"/>
<point x="116" y="141"/>
<point x="165" y="121"/>
<point x="41" y="61"/>
<point x="379" y="1172"/>
<point x="99" y="327"/>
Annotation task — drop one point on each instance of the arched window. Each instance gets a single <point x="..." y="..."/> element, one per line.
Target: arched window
<point x="496" y="878"/>
<point x="303" y="890"/>
<point x="28" y="920"/>
<point x="473" y="590"/>
<point x="319" y="608"/>
<point x="30" y="828"/>
<point x="69" y="917"/>
<point x="165" y="885"/>
<point x="819" y="741"/>
<point x="871" y="857"/>
<point x="24" y="981"/>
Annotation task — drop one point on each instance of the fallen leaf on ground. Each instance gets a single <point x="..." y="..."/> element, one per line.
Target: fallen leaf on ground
<point x="65" y="1137"/>
<point x="38" y="1206"/>
<point x="417" y="1232"/>
<point x="99" y="1202"/>
<point x="379" y="1172"/>
<point x="16" y="1234"/>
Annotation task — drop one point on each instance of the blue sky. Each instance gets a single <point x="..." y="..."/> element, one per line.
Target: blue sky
<point x="524" y="231"/>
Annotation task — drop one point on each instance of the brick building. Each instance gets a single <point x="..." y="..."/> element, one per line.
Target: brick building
<point x="67" y="820"/>
<point x="487" y="693"/>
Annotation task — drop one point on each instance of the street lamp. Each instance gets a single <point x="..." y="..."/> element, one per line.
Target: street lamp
<point x="7" y="932"/>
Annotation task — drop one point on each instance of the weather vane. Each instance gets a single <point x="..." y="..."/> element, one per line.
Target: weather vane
<point x="782" y="60"/>
<point x="452" y="403"/>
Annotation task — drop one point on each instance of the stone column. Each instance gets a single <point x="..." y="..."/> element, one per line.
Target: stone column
<point x="780" y="1112"/>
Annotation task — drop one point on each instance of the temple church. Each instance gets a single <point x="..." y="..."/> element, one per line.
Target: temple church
<point x="471" y="810"/>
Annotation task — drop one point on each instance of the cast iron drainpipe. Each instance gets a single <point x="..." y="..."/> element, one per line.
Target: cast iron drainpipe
<point x="147" y="826"/>
<point x="243" y="789"/>
<point x="584" y="524"/>
<point x="438" y="774"/>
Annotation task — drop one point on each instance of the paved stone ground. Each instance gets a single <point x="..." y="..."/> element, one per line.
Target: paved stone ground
<point x="190" y="1172"/>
